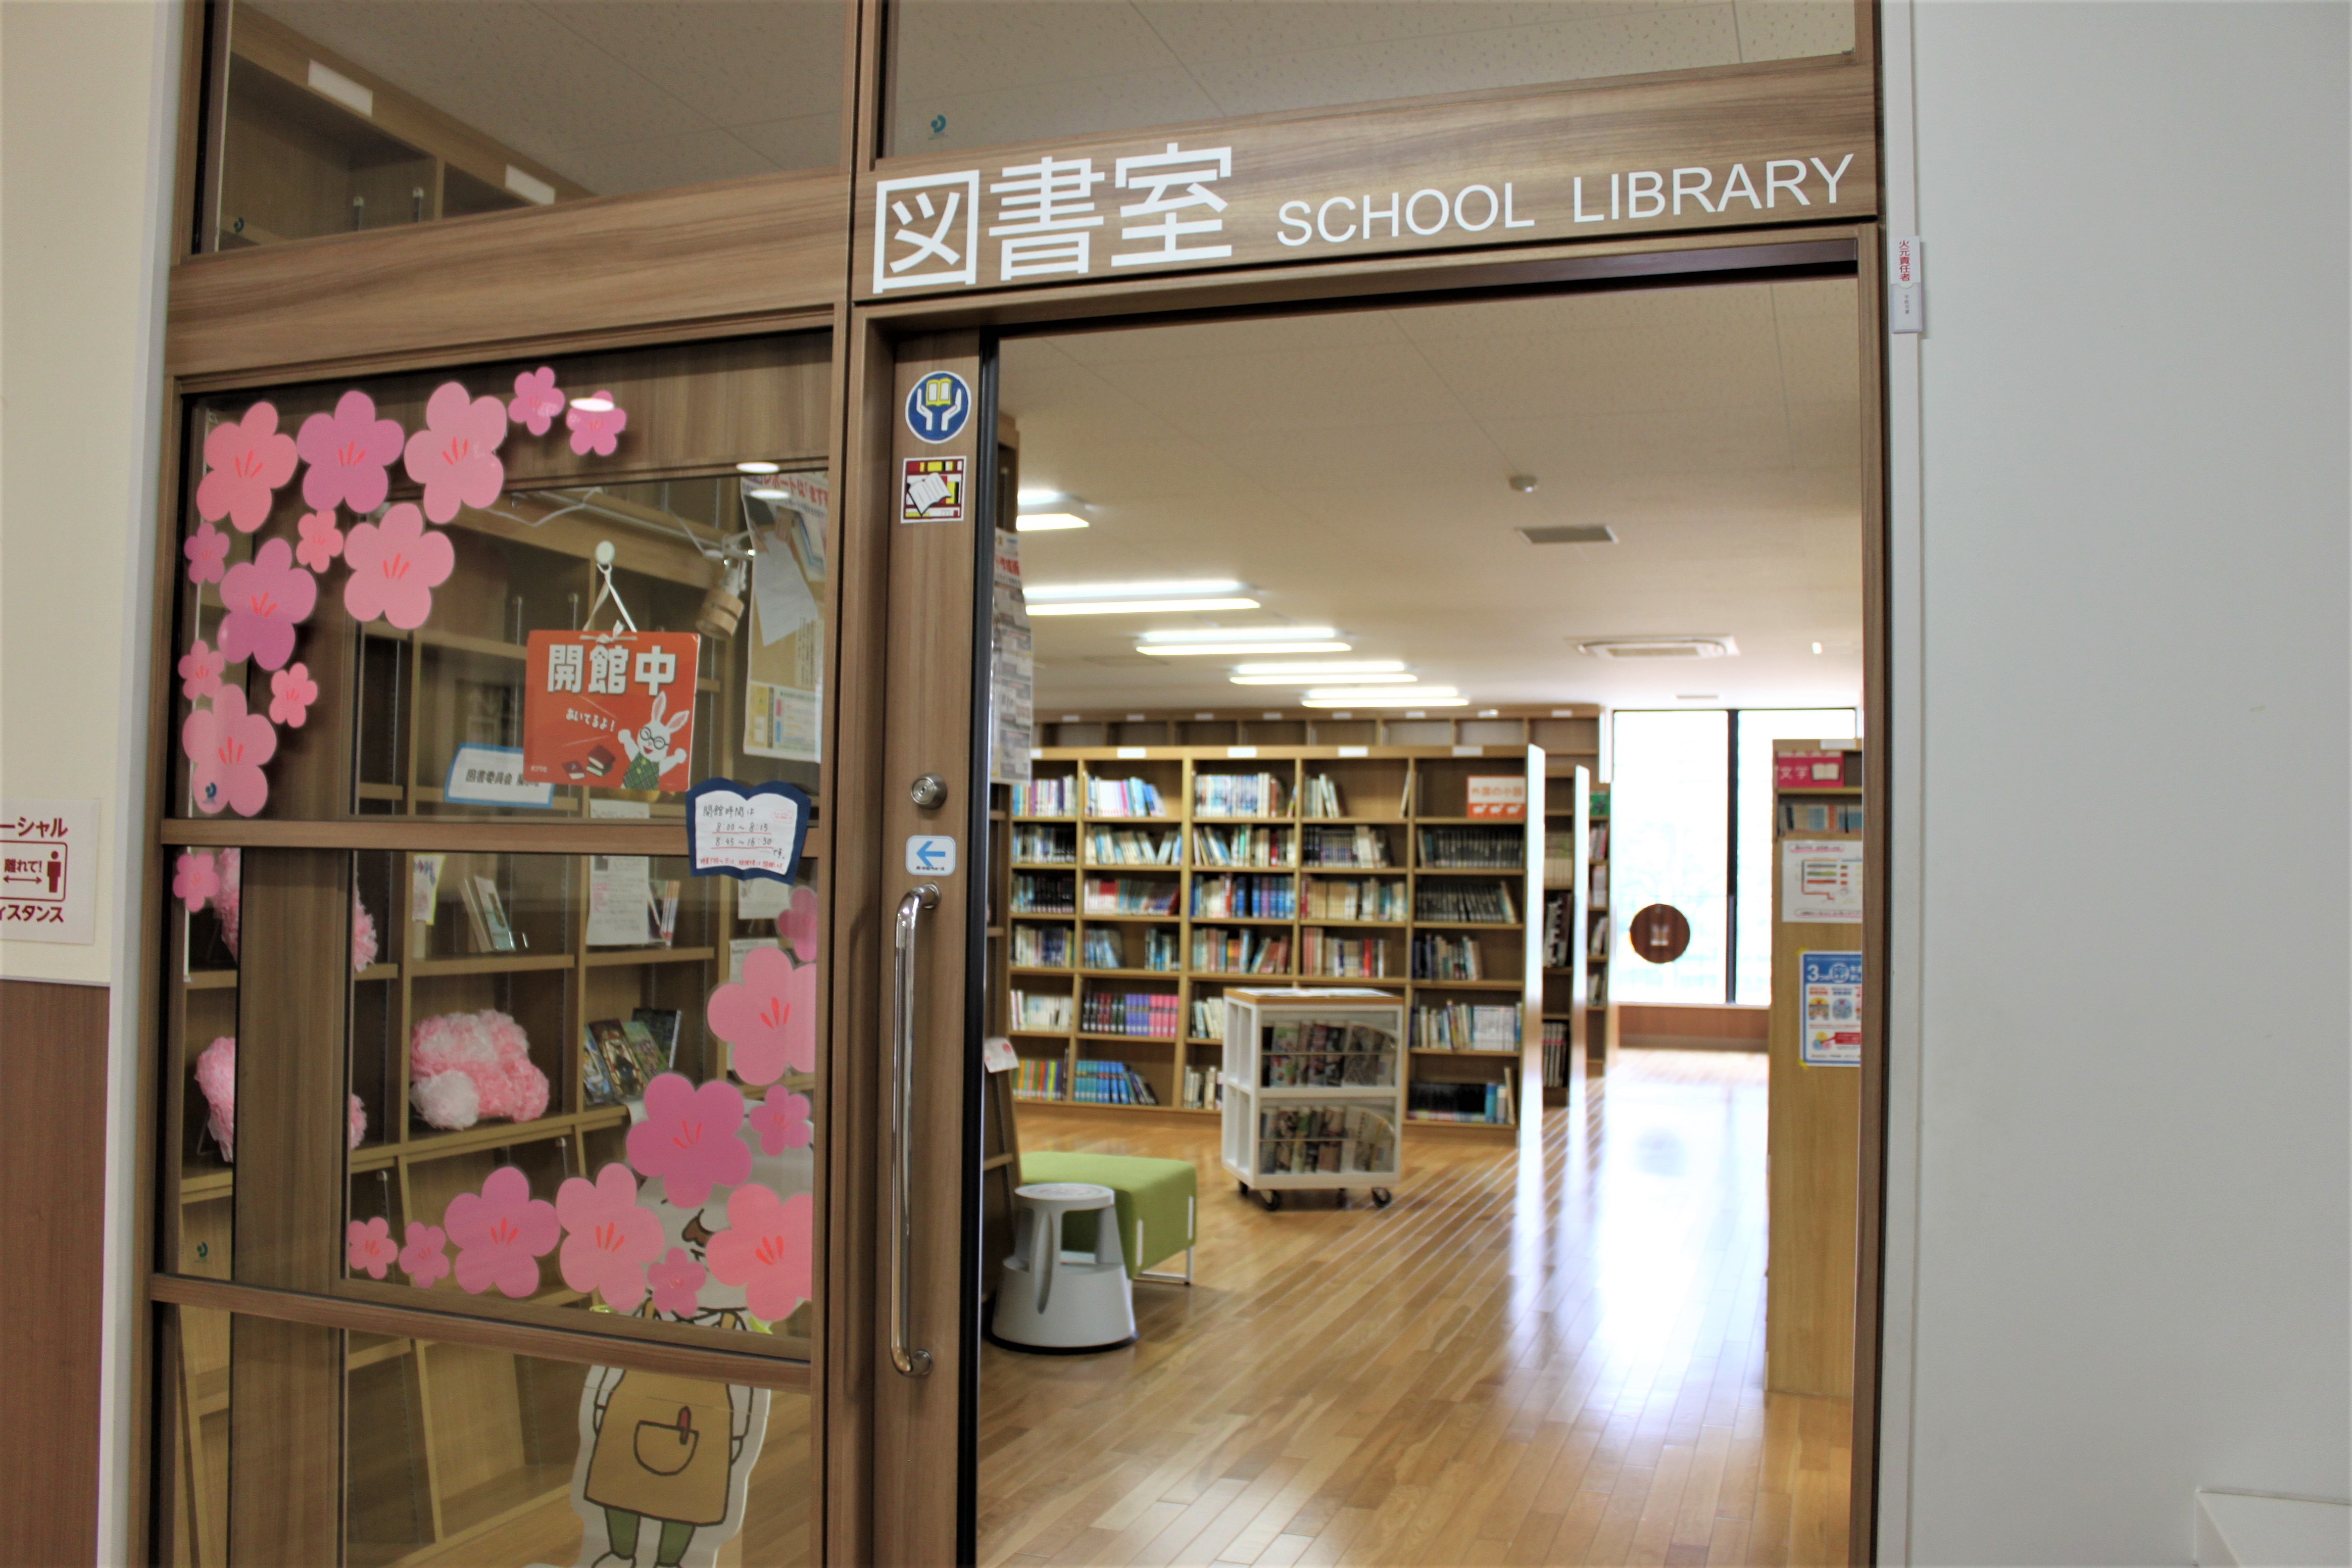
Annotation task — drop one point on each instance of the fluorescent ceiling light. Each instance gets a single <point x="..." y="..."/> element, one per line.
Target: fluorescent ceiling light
<point x="1384" y="699"/>
<point x="1347" y="667"/>
<point x="768" y="492"/>
<point x="593" y="404"/>
<point x="1200" y="588"/>
<point x="758" y="467"/>
<point x="1170" y="650"/>
<point x="1035" y="497"/>
<point x="1046" y="522"/>
<point x="1309" y="679"/>
<point x="1234" y="634"/>
<point x="1141" y="606"/>
<point x="1345" y="693"/>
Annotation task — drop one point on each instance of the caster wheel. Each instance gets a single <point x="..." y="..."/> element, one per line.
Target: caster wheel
<point x="1382" y="1197"/>
<point x="1243" y="1187"/>
<point x="1273" y="1201"/>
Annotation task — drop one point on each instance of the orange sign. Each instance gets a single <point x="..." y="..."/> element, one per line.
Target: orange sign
<point x="609" y="709"/>
<point x="1500" y="796"/>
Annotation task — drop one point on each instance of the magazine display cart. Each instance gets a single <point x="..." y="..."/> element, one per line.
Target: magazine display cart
<point x="1314" y="1090"/>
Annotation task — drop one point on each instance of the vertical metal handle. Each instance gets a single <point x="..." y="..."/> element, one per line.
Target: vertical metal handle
<point x="909" y="1362"/>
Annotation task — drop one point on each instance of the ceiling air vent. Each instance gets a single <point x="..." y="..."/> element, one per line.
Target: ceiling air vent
<point x="1570" y="533"/>
<point x="1659" y="647"/>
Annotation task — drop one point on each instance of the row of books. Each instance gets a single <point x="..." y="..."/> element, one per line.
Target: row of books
<point x="1488" y="1104"/>
<point x="1319" y="797"/>
<point x="1109" y="1083"/>
<point x="1598" y="889"/>
<point x="1053" y="846"/>
<point x="1332" y="1140"/>
<point x="1243" y="896"/>
<point x="1208" y="1017"/>
<point x="1437" y="956"/>
<point x="1372" y="1067"/>
<point x="1474" y="848"/>
<point x="1045" y="893"/>
<point x="1555" y="1053"/>
<point x="1488" y="902"/>
<point x="1347" y="957"/>
<point x="1107" y="950"/>
<point x="1123" y="797"/>
<point x="1040" y="1077"/>
<point x="1596" y="988"/>
<point x="1559" y="949"/>
<point x="1129" y="896"/>
<point x="1133" y="846"/>
<point x="1821" y="816"/>
<point x="1287" y="1036"/>
<point x="1221" y="950"/>
<point x="1464" y="1026"/>
<point x="1596" y="937"/>
<point x="1239" y="794"/>
<point x="1042" y="796"/>
<point x="619" y="1057"/>
<point x="1363" y="845"/>
<point x="1041" y="947"/>
<point x="1047" y="1013"/>
<point x="1202" y="1088"/>
<point x="1242" y="846"/>
<point x="1355" y="898"/>
<point x="1145" y="1014"/>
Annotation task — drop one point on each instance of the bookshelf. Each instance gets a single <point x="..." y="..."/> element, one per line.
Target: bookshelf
<point x="1318" y="1090"/>
<point x="1574" y="972"/>
<point x="1267" y="865"/>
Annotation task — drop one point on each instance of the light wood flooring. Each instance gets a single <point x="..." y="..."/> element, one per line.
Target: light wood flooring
<point x="1548" y="1354"/>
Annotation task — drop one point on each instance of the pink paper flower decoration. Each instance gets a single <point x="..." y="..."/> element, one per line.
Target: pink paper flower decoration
<point x="782" y="1120"/>
<point x="765" y="1248"/>
<point x="205" y="549"/>
<point x="368" y="1246"/>
<point x="537" y="400"/>
<point x="610" y="1236"/>
<point x="249" y="459"/>
<point x="797" y="925"/>
<point x="770" y="1018"/>
<point x="195" y="878"/>
<point x="225" y="747"/>
<point x="347" y="451"/>
<point x="364" y="943"/>
<point x="425" y="1259"/>
<point x="501" y="1235"/>
<point x="395" y="566"/>
<point x="266" y="597"/>
<point x="321" y="541"/>
<point x="456" y="456"/>
<point x="200" y="672"/>
<point x="688" y="1139"/>
<point x="291" y="692"/>
<point x="677" y="1281"/>
<point x="596" y="430"/>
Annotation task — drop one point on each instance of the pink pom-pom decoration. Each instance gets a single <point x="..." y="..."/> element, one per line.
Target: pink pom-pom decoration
<point x="363" y="947"/>
<point x="228" y="908"/>
<point x="217" y="1077"/>
<point x="465" y="1066"/>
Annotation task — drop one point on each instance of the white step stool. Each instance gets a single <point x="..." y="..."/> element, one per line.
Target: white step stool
<point x="1063" y="1302"/>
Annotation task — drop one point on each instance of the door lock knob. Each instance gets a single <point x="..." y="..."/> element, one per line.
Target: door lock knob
<point x="928" y="791"/>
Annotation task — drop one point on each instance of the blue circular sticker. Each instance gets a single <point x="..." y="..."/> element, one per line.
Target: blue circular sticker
<point x="938" y="406"/>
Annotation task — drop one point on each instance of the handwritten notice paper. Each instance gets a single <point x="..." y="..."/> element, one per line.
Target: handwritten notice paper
<point x="745" y="830"/>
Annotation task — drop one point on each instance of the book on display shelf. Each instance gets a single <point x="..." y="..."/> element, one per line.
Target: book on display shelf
<point x="1238" y="794"/>
<point x="1362" y="846"/>
<point x="1480" y="903"/>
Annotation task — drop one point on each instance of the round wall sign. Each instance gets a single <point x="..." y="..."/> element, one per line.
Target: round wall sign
<point x="1659" y="933"/>
<point x="938" y="406"/>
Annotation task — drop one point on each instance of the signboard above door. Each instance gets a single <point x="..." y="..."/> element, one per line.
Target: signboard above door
<point x="1776" y="145"/>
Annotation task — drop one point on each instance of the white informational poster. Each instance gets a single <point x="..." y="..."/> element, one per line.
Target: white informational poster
<point x="48" y="870"/>
<point x="761" y="899"/>
<point x="1012" y="670"/>
<point x="619" y="911"/>
<point x="1821" y="880"/>
<point x="783" y="693"/>
<point x="1831" y="1034"/>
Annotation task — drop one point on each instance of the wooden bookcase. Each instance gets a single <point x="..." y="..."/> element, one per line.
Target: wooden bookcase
<point x="1395" y="795"/>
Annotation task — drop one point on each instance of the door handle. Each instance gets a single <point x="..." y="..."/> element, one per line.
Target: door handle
<point x="910" y="1362"/>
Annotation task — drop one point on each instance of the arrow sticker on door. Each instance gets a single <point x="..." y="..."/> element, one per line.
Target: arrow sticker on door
<point x="932" y="854"/>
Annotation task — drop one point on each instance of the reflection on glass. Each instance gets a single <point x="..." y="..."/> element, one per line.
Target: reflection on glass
<point x="1758" y="727"/>
<point x="1668" y="844"/>
<point x="981" y="73"/>
<point x="194" y="1446"/>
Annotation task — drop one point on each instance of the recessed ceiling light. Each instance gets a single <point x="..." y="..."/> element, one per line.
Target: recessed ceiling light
<point x="1659" y="647"/>
<point x="1309" y="679"/>
<point x="1570" y="533"/>
<point x="768" y="492"/>
<point x="1414" y="700"/>
<point x="1199" y="588"/>
<point x="1139" y="607"/>
<point x="1326" y="666"/>
<point x="1817" y="647"/>
<point x="756" y="466"/>
<point x="593" y="404"/>
<point x="1254" y="633"/>
<point x="1048" y="522"/>
<point x="1177" y="650"/>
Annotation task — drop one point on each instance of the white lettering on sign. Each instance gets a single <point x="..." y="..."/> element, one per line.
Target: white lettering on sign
<point x="927" y="231"/>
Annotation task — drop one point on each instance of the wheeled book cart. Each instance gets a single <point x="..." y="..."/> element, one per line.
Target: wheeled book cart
<point x="1314" y="1092"/>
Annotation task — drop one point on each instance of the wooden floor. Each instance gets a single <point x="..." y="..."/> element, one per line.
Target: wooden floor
<point x="1548" y="1354"/>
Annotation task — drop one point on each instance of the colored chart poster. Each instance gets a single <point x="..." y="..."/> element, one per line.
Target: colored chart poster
<point x="609" y="709"/>
<point x="1831" y="1034"/>
<point x="784" y="692"/>
<point x="1821" y="880"/>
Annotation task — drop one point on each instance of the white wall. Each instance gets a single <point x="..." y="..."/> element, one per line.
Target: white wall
<point x="2123" y="1203"/>
<point x="88" y="114"/>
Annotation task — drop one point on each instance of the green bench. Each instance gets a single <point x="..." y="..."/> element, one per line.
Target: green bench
<point x="1157" y="1204"/>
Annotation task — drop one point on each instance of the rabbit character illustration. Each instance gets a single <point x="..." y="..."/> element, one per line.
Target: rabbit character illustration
<point x="649" y="753"/>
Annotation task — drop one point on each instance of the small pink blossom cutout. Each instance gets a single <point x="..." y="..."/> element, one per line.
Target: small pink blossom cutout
<point x="610" y="1237"/>
<point x="455" y="457"/>
<point x="770" y="1018"/>
<point x="225" y="747"/>
<point x="368" y="1247"/>
<point x="195" y="880"/>
<point x="677" y="1281"/>
<point x="347" y="451"/>
<point x="395" y="566"/>
<point x="765" y="1248"/>
<point x="291" y="692"/>
<point x="207" y="549"/>
<point x="249" y="459"/>
<point x="425" y="1259"/>
<point x="266" y="598"/>
<point x="200" y="672"/>
<point x="688" y="1139"/>
<point x="537" y="400"/>
<point x="798" y="924"/>
<point x="501" y="1235"/>
<point x="321" y="541"/>
<point x="782" y="1120"/>
<point x="596" y="430"/>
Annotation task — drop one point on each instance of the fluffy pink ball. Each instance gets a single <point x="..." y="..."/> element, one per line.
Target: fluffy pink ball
<point x="466" y="1065"/>
<point x="217" y="1077"/>
<point x="228" y="907"/>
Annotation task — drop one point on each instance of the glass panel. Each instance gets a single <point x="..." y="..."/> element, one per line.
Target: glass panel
<point x="1669" y="844"/>
<point x="202" y="927"/>
<point x="192" y="1437"/>
<point x="349" y="114"/>
<point x="1758" y="727"/>
<point x="980" y="73"/>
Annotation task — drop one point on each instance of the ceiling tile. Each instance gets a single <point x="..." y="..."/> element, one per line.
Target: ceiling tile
<point x="657" y="163"/>
<point x="804" y="142"/>
<point x="736" y="61"/>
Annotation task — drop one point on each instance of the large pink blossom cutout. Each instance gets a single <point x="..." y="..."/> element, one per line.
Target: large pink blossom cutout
<point x="425" y="1259"/>
<point x="677" y="1281"/>
<point x="770" y="1018"/>
<point x="610" y="1237"/>
<point x="207" y="549"/>
<point x="347" y="451"/>
<point x="291" y="692"/>
<point x="395" y="566"/>
<point x="689" y="1139"/>
<point x="225" y="747"/>
<point x="266" y="598"/>
<point x="501" y="1235"/>
<point x="782" y="1120"/>
<point x="200" y="672"/>
<point x="249" y="460"/>
<point x="195" y="879"/>
<point x="765" y="1248"/>
<point x="596" y="430"/>
<point x="368" y="1246"/>
<point x="537" y="400"/>
<point x="456" y="456"/>
<point x="321" y="541"/>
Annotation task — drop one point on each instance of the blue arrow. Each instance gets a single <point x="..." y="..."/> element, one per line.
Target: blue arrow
<point x="925" y="856"/>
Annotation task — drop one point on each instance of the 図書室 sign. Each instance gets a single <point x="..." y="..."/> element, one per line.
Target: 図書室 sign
<point x="609" y="709"/>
